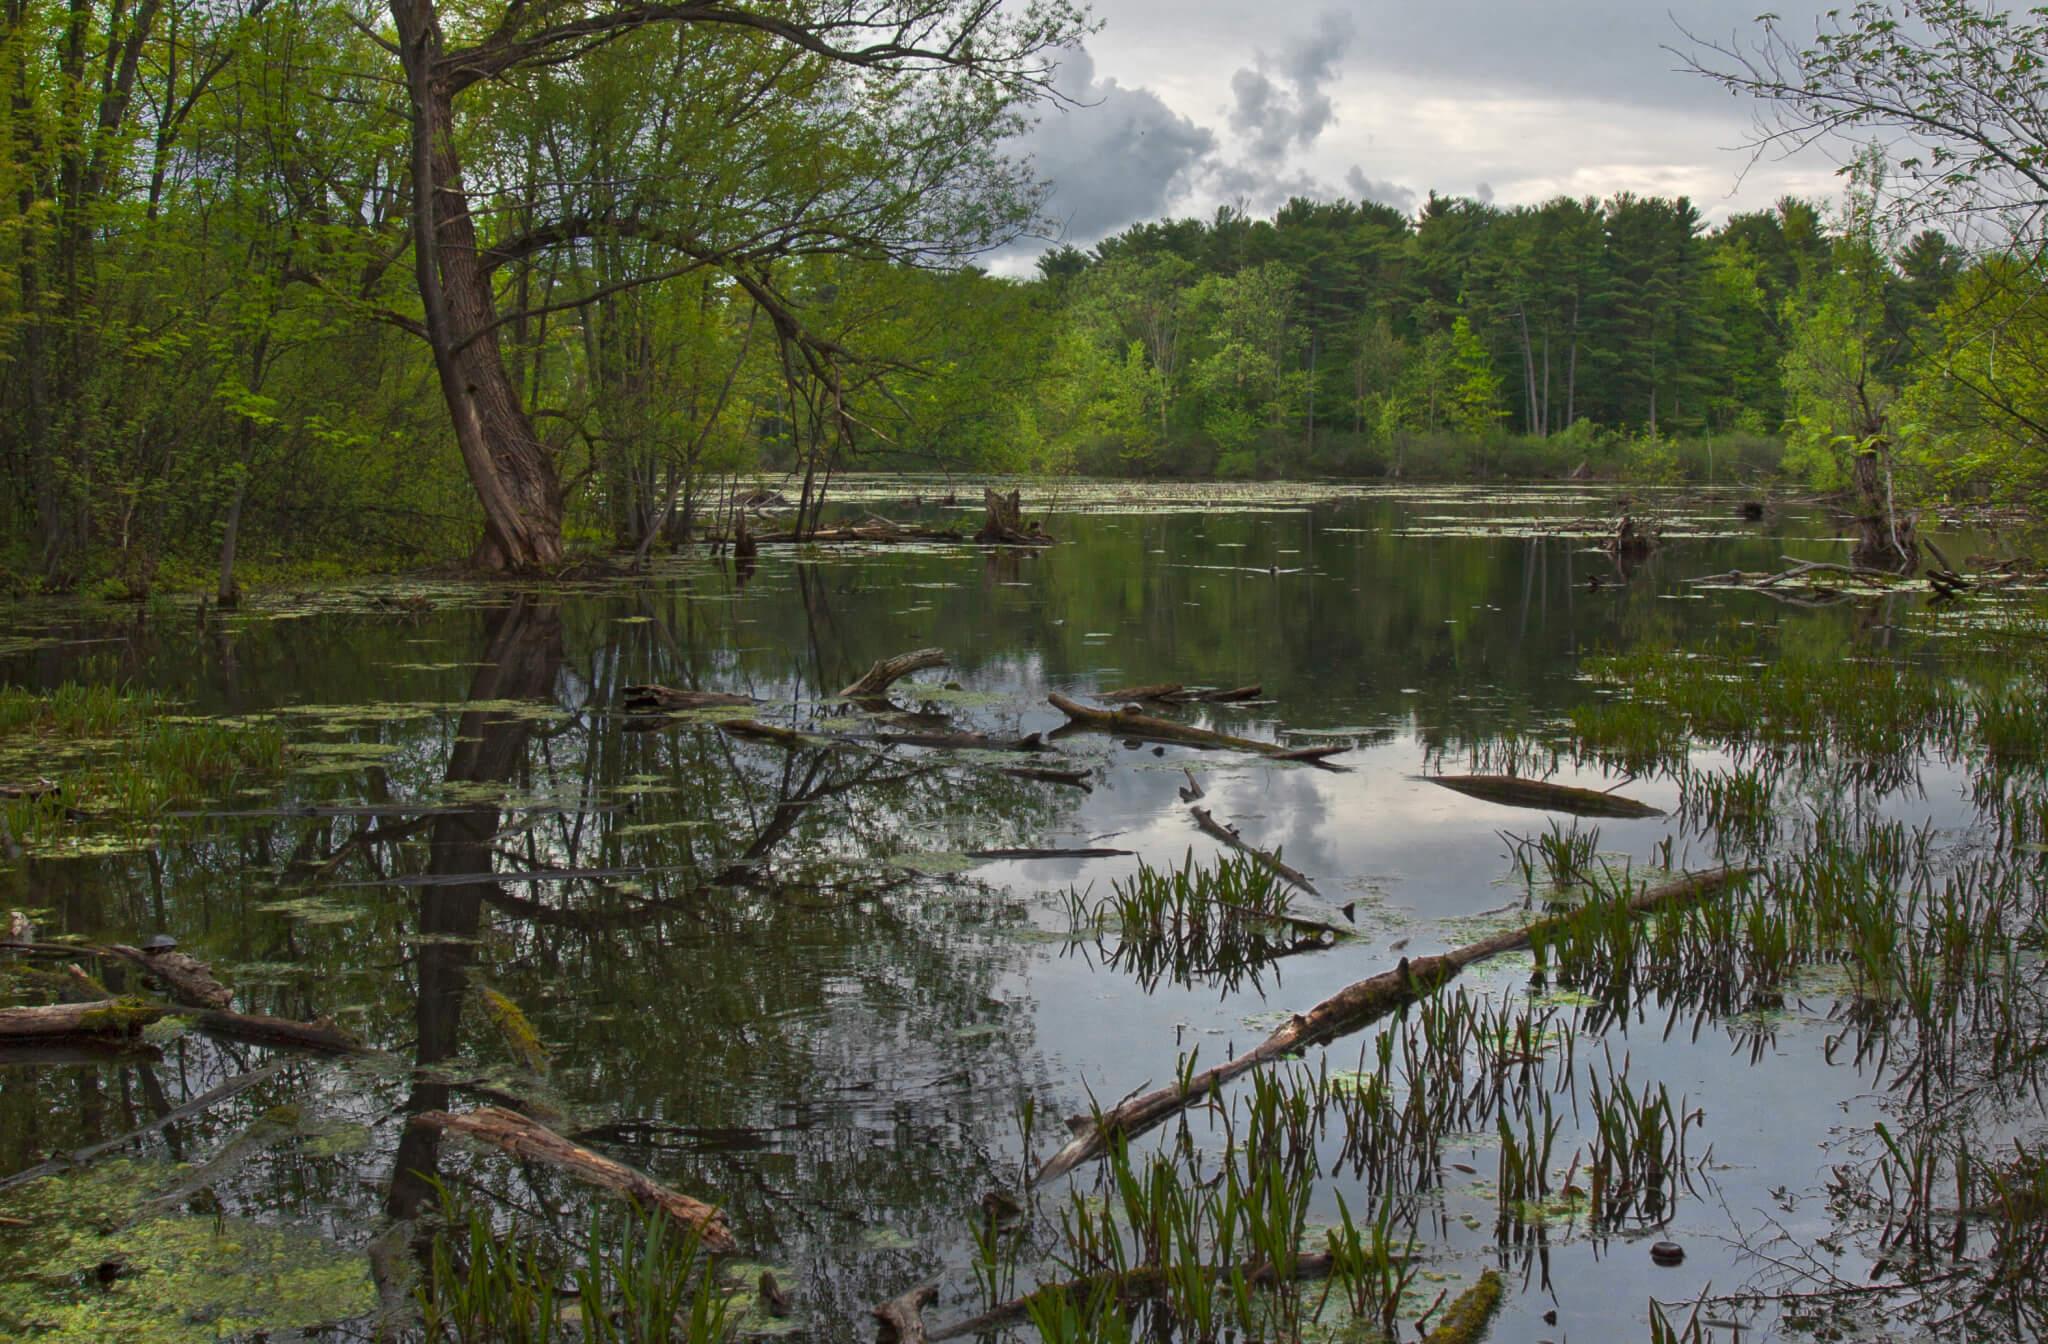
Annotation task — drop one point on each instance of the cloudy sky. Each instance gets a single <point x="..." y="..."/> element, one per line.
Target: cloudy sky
<point x="1191" y="104"/>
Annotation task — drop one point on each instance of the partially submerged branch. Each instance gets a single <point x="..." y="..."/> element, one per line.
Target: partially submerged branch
<point x="1130" y="723"/>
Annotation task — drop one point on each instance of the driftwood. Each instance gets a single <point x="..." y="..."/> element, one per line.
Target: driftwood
<point x="1074" y="778"/>
<point x="902" y="1318"/>
<point x="1005" y="525"/>
<point x="1348" y="1010"/>
<point x="1049" y="853"/>
<point x="1130" y="723"/>
<point x="1173" y="693"/>
<point x="888" y="671"/>
<point x="186" y="979"/>
<point x="1509" y="791"/>
<point x="663" y="699"/>
<point x="1272" y="862"/>
<point x="528" y="1140"/>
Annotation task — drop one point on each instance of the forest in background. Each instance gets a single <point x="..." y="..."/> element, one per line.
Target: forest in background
<point x="681" y="257"/>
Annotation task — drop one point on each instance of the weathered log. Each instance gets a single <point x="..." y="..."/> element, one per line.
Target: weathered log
<point x="887" y="671"/>
<point x="1084" y="853"/>
<point x="100" y="1019"/>
<point x="1073" y="778"/>
<point x="1350" y="1009"/>
<point x="902" y="1318"/>
<point x="531" y="1141"/>
<point x="652" y="699"/>
<point x="1130" y="723"/>
<point x="1272" y="862"/>
<point x="1509" y="791"/>
<point x="187" y="980"/>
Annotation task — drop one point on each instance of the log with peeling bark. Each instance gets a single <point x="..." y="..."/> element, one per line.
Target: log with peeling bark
<point x="902" y="1318"/>
<point x="531" y="1141"/>
<point x="1272" y="862"/>
<point x="1544" y="796"/>
<point x="665" y="699"/>
<point x="888" y="671"/>
<point x="1348" y="1010"/>
<point x="185" y="979"/>
<point x="1130" y="723"/>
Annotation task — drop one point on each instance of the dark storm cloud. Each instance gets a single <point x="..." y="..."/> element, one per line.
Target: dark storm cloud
<point x="1118" y="155"/>
<point x="1275" y="116"/>
<point x="1383" y="193"/>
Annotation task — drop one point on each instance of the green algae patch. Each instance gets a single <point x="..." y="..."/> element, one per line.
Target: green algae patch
<point x="75" y="1274"/>
<point x="1469" y="1315"/>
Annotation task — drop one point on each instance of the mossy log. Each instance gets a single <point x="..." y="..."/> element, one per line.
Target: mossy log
<point x="1350" y="1009"/>
<point x="531" y="1141"/>
<point x="185" y="979"/>
<point x="1471" y="1312"/>
<point x="1509" y="791"/>
<point x="1130" y="723"/>
<point x="100" y="1019"/>
<point x="888" y="671"/>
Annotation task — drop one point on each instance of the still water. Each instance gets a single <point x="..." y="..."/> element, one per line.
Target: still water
<point x="775" y="978"/>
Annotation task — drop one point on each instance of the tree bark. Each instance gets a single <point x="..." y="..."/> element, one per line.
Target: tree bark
<point x="512" y="472"/>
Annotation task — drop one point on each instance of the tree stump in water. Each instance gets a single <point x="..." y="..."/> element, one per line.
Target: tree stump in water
<point x="743" y="547"/>
<point x="1005" y="525"/>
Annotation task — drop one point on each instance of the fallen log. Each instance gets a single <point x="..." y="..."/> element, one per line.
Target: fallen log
<point x="664" y="699"/>
<point x="1509" y="791"/>
<point x="1471" y="1311"/>
<point x="887" y="671"/>
<point x="1073" y="778"/>
<point x="320" y="1036"/>
<point x="186" y="979"/>
<point x="1130" y="723"/>
<point x="1272" y="862"/>
<point x="902" y="1318"/>
<point x="1354" y="1007"/>
<point x="101" y="1019"/>
<point x="755" y="730"/>
<point x="531" y="1141"/>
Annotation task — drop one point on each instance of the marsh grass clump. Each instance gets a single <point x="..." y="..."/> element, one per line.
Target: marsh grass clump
<point x="1218" y="924"/>
<point x="116" y="758"/>
<point x="634" y="1278"/>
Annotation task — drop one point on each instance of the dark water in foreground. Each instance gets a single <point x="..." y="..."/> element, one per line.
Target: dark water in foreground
<point x="773" y="978"/>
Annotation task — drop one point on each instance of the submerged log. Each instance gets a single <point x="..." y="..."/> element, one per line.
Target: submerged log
<point x="531" y="1141"/>
<point x="1272" y="862"/>
<point x="660" y="699"/>
<point x="320" y="1036"/>
<point x="1174" y="693"/>
<point x="1030" y="742"/>
<point x="1085" y="853"/>
<point x="757" y="731"/>
<point x="1072" y="778"/>
<point x="886" y="672"/>
<point x="1130" y="723"/>
<point x="78" y="1157"/>
<point x="1509" y="791"/>
<point x="1350" y="1009"/>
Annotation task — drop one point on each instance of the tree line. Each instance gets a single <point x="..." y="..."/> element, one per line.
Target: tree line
<point x="407" y="281"/>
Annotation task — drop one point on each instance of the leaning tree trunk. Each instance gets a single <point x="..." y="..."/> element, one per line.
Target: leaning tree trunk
<point x="511" y="470"/>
